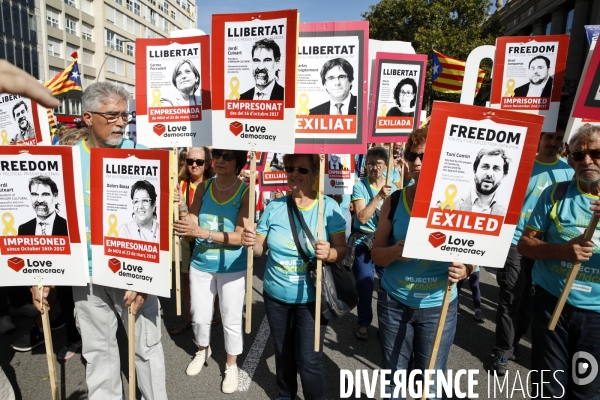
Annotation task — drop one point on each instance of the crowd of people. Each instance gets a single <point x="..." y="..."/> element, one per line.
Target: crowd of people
<point x="216" y="234"/>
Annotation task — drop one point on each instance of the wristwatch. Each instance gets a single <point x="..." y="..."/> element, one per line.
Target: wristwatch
<point x="210" y="235"/>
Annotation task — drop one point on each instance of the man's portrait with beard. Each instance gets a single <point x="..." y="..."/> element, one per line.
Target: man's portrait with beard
<point x="540" y="81"/>
<point x="26" y="130"/>
<point x="44" y="200"/>
<point x="490" y="168"/>
<point x="266" y="56"/>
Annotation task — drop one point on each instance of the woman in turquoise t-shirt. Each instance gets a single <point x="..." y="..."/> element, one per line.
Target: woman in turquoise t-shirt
<point x="410" y="299"/>
<point x="216" y="220"/>
<point x="289" y="292"/>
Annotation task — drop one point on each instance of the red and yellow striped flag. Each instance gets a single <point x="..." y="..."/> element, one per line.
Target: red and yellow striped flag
<point x="448" y="74"/>
<point x="68" y="79"/>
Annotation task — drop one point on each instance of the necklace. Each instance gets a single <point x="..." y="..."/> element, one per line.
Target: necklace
<point x="217" y="185"/>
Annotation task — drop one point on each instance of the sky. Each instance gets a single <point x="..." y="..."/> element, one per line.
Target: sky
<point x="310" y="10"/>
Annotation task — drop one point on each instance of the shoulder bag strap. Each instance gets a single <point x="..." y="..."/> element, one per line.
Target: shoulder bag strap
<point x="187" y="193"/>
<point x="307" y="231"/>
<point x="291" y="205"/>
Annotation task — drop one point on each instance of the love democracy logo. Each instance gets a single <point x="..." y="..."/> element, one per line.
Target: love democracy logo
<point x="454" y="244"/>
<point x="28" y="266"/>
<point x="246" y="131"/>
<point x="172" y="131"/>
<point x="128" y="270"/>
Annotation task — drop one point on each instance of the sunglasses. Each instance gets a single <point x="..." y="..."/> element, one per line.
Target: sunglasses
<point x="225" y="157"/>
<point x="302" y="170"/>
<point x="412" y="156"/>
<point x="190" y="161"/>
<point x="580" y="155"/>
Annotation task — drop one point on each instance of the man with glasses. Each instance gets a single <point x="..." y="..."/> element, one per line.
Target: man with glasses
<point x="106" y="114"/>
<point x="513" y="315"/>
<point x="553" y="237"/>
<point x="265" y="69"/>
<point x="337" y="76"/>
<point x="44" y="200"/>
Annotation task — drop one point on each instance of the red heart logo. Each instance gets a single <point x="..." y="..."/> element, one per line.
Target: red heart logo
<point x="114" y="265"/>
<point x="16" y="263"/>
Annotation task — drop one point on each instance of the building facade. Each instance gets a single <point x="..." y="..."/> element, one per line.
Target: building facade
<point x="39" y="36"/>
<point x="549" y="17"/>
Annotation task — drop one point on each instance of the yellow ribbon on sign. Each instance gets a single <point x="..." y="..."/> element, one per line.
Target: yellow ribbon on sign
<point x="383" y="110"/>
<point x="510" y="85"/>
<point x="156" y="98"/>
<point x="234" y="84"/>
<point x="8" y="220"/>
<point x="112" y="226"/>
<point x="4" y="135"/>
<point x="303" y="100"/>
<point x="449" y="197"/>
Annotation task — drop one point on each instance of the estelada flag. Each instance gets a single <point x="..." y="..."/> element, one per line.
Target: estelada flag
<point x="67" y="80"/>
<point x="448" y="73"/>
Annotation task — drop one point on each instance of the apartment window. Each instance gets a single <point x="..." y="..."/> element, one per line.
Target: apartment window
<point x="133" y="6"/>
<point x="113" y="40"/>
<point x="153" y="2"/>
<point x="75" y="106"/>
<point x="87" y="31"/>
<point x="119" y="2"/>
<point x="88" y="58"/>
<point x="54" y="47"/>
<point x="130" y="71"/>
<point x="62" y="105"/>
<point x="116" y="65"/>
<point x="153" y="17"/>
<point x="53" y="17"/>
<point x="173" y="15"/>
<point x="111" y="15"/>
<point x="71" y="25"/>
<point x="161" y="6"/>
<point x="87" y="81"/>
<point x="72" y="3"/>
<point x="178" y="2"/>
<point x="71" y="49"/>
<point x="165" y="25"/>
<point x="130" y="50"/>
<point x="87" y="7"/>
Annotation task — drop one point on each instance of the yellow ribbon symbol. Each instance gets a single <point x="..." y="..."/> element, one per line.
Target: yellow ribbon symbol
<point x="449" y="197"/>
<point x="4" y="135"/>
<point x="156" y="98"/>
<point x="234" y="84"/>
<point x="303" y="100"/>
<point x="383" y="110"/>
<point x="510" y="85"/>
<point x="8" y="219"/>
<point x="112" y="226"/>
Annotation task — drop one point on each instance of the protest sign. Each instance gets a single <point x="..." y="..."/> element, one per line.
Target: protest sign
<point x="173" y="100"/>
<point x="528" y="75"/>
<point x="331" y="103"/>
<point x="254" y="71"/>
<point x="261" y="160"/>
<point x="339" y="173"/>
<point x="20" y="121"/>
<point x="273" y="177"/>
<point x="131" y="218"/>
<point x="41" y="209"/>
<point x="587" y="104"/>
<point x="397" y="96"/>
<point x="592" y="32"/>
<point x="472" y="184"/>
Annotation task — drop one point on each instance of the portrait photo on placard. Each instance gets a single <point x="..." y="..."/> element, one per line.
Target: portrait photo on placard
<point x="16" y="120"/>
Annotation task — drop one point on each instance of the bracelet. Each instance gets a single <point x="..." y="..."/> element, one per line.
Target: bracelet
<point x="183" y="213"/>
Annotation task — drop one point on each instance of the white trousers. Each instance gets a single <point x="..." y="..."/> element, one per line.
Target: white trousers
<point x="231" y="288"/>
<point x="96" y="313"/>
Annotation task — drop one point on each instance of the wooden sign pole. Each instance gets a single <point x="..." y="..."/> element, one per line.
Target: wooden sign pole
<point x="177" y="247"/>
<point x="402" y="168"/>
<point x="589" y="232"/>
<point x="251" y="218"/>
<point x="319" y="262"/>
<point x="49" y="347"/>
<point x="440" y="328"/>
<point x="390" y="165"/>
<point x="131" y="342"/>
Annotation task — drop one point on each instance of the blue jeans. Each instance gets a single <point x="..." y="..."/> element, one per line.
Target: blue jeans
<point x="293" y="332"/>
<point x="407" y="336"/>
<point x="364" y="270"/>
<point x="577" y="330"/>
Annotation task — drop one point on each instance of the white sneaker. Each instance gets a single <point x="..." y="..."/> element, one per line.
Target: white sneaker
<point x="200" y="359"/>
<point x="230" y="383"/>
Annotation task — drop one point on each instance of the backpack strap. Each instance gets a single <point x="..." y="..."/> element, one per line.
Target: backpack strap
<point x="558" y="193"/>
<point x="394" y="203"/>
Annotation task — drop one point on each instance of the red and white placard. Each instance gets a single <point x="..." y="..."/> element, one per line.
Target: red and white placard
<point x="20" y="121"/>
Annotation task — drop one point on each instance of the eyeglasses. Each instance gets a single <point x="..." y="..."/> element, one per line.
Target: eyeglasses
<point x="113" y="116"/>
<point x="226" y="157"/>
<point x="199" y="162"/>
<point x="403" y="93"/>
<point x="335" y="78"/>
<point x="302" y="170"/>
<point x="412" y="156"/>
<point x="375" y="165"/>
<point x="580" y="155"/>
<point x="145" y="202"/>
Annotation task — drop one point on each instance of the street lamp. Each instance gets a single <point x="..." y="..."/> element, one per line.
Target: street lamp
<point x="109" y="53"/>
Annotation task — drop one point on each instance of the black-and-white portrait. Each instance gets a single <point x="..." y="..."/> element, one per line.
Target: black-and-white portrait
<point x="144" y="225"/>
<point x="265" y="66"/>
<point x="43" y="193"/>
<point x="337" y="76"/>
<point x="186" y="86"/>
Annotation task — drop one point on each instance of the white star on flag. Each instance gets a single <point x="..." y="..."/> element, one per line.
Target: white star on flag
<point x="75" y="74"/>
<point x="435" y="68"/>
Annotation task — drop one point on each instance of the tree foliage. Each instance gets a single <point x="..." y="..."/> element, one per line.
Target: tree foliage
<point x="452" y="27"/>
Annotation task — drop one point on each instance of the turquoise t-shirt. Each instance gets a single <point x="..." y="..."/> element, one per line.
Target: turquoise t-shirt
<point x="395" y="175"/>
<point x="219" y="217"/>
<point x="574" y="215"/>
<point x="542" y="176"/>
<point x="359" y="192"/>
<point x="286" y="276"/>
<point x="416" y="283"/>
<point x="85" y="180"/>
